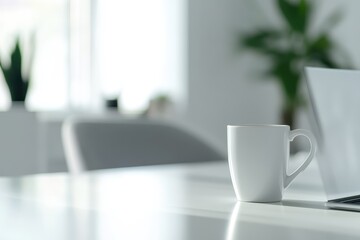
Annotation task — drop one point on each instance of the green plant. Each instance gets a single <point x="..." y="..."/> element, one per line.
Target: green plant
<point x="17" y="81"/>
<point x="162" y="98"/>
<point x="292" y="47"/>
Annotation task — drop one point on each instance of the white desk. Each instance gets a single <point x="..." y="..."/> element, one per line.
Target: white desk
<point x="180" y="201"/>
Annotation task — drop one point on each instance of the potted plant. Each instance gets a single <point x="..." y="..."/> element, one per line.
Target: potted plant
<point x="293" y="46"/>
<point x="16" y="78"/>
<point x="159" y="106"/>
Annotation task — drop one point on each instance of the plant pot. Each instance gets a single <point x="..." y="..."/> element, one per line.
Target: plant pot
<point x="17" y="106"/>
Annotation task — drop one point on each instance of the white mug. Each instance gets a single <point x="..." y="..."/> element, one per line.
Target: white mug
<point x="258" y="160"/>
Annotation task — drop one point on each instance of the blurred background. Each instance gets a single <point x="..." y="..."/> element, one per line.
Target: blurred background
<point x="203" y="64"/>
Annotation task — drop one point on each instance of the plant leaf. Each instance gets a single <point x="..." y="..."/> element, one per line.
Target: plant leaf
<point x="16" y="65"/>
<point x="319" y="52"/>
<point x="319" y="44"/>
<point x="332" y="20"/>
<point x="296" y="14"/>
<point x="262" y="41"/>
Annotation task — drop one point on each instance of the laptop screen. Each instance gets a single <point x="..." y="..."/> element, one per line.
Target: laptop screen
<point x="335" y="103"/>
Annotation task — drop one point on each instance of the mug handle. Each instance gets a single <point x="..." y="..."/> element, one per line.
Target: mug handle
<point x="310" y="156"/>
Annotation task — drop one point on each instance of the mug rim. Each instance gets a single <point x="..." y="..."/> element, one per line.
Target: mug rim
<point x="257" y="125"/>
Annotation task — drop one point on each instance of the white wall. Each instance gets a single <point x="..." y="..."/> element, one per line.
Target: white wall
<point x="226" y="86"/>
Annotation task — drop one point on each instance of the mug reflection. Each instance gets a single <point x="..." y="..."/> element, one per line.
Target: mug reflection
<point x="231" y="230"/>
<point x="246" y="220"/>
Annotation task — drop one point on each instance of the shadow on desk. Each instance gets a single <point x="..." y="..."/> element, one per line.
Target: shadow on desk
<point x="301" y="204"/>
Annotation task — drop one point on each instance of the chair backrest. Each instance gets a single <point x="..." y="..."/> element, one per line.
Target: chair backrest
<point x="107" y="143"/>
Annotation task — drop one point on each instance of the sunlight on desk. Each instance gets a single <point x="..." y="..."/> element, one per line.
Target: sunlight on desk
<point x="178" y="201"/>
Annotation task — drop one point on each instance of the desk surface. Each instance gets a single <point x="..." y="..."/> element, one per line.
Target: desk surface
<point x="180" y="201"/>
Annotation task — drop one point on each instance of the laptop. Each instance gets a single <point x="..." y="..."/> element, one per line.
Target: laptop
<point x="335" y="113"/>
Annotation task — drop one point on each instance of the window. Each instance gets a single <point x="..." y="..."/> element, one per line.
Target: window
<point x="88" y="51"/>
<point x="140" y="46"/>
<point x="45" y="22"/>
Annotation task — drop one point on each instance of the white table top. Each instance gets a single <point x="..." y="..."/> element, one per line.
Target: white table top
<point x="179" y="201"/>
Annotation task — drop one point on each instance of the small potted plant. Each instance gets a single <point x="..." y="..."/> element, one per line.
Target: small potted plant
<point x="159" y="106"/>
<point x="16" y="78"/>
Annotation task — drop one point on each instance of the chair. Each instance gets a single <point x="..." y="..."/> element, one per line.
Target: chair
<point x="92" y="144"/>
